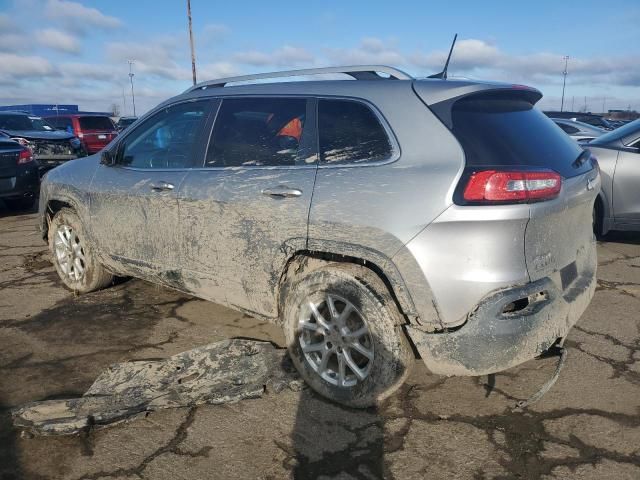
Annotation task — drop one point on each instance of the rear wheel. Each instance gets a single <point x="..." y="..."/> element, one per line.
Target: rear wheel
<point x="73" y="256"/>
<point x="344" y="335"/>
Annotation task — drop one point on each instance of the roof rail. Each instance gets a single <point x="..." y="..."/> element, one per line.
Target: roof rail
<point x="358" y="72"/>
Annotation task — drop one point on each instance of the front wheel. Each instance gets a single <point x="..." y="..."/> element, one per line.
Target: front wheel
<point x="73" y="257"/>
<point x="344" y="335"/>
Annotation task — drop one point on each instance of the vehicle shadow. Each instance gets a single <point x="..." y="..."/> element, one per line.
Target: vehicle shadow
<point x="6" y="212"/>
<point x="334" y="441"/>
<point x="10" y="468"/>
<point x="632" y="238"/>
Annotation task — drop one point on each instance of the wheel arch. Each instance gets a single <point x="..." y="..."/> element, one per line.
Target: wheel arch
<point x="302" y="262"/>
<point x="53" y="206"/>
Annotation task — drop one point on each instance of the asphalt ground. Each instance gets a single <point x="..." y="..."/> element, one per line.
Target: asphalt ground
<point x="53" y="344"/>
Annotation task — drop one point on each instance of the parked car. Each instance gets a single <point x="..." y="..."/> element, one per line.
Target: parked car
<point x="590" y="118"/>
<point x="618" y="204"/>
<point x="359" y="215"/>
<point x="579" y="131"/>
<point x="49" y="146"/>
<point x="19" y="178"/>
<point x="94" y="131"/>
<point x="124" y="122"/>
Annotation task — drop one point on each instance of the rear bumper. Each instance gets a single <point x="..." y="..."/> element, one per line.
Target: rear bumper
<point x="491" y="340"/>
<point x="25" y="184"/>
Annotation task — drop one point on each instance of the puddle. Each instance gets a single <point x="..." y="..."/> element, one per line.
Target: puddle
<point x="221" y="372"/>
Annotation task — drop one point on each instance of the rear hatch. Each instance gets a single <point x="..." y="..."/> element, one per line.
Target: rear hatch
<point x="501" y="130"/>
<point x="96" y="131"/>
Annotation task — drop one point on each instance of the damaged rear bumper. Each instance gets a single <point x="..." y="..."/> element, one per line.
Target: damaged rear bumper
<point x="505" y="329"/>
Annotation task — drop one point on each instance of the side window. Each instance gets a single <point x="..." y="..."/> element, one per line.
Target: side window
<point x="257" y="132"/>
<point x="166" y="140"/>
<point x="350" y="132"/>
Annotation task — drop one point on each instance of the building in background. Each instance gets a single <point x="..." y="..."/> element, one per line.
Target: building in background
<point x="42" y="109"/>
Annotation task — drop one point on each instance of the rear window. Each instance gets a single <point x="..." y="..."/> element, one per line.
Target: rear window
<point x="350" y="132"/>
<point x="96" y="123"/>
<point x="512" y="133"/>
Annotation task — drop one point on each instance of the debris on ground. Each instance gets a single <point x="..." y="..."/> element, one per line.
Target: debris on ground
<point x="221" y="372"/>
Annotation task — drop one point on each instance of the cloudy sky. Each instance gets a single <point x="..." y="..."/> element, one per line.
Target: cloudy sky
<point x="63" y="51"/>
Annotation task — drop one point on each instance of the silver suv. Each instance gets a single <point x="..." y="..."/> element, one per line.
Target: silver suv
<point x="365" y="216"/>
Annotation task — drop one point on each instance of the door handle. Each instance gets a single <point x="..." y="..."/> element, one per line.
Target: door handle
<point x="282" y="192"/>
<point x="161" y="186"/>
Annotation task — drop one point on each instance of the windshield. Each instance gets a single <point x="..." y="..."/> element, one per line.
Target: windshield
<point x="24" y="122"/>
<point x="619" y="133"/>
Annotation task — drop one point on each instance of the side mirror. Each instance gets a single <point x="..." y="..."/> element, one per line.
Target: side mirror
<point x="107" y="158"/>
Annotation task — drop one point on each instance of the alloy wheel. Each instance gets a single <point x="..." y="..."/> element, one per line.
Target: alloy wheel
<point x="69" y="253"/>
<point x="335" y="340"/>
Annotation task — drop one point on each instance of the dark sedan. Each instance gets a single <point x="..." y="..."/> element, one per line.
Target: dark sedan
<point x="50" y="147"/>
<point x="19" y="178"/>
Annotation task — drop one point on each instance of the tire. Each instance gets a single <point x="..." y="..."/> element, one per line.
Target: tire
<point x="597" y="220"/>
<point x="72" y="255"/>
<point x="388" y="356"/>
<point x="24" y="203"/>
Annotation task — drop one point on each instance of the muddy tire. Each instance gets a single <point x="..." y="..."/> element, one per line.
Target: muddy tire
<point x="72" y="254"/>
<point x="344" y="335"/>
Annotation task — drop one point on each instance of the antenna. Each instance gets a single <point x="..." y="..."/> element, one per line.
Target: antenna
<point x="443" y="73"/>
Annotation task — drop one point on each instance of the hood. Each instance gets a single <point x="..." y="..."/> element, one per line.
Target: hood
<point x="40" y="135"/>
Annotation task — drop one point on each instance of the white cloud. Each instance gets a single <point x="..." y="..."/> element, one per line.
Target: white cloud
<point x="215" y="31"/>
<point x="58" y="40"/>
<point x="370" y="51"/>
<point x="286" y="56"/>
<point x="76" y="15"/>
<point x="20" y="66"/>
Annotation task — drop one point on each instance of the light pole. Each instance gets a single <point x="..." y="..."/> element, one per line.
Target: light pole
<point x="564" y="80"/>
<point x="193" y="53"/>
<point x="133" y="97"/>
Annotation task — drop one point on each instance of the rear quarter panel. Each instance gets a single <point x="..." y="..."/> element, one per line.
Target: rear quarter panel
<point x="372" y="211"/>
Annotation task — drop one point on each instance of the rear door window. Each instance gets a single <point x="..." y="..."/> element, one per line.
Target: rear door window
<point x="350" y="133"/>
<point x="507" y="132"/>
<point x="254" y="132"/>
<point x="96" y="123"/>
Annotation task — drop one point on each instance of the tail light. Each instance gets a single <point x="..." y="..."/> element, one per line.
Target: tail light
<point x="495" y="186"/>
<point x="25" y="156"/>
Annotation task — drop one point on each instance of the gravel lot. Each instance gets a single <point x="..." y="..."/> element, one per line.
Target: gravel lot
<point x="54" y="344"/>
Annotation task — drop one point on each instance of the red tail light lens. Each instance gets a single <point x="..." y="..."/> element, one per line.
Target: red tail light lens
<point x="504" y="186"/>
<point x="25" y="156"/>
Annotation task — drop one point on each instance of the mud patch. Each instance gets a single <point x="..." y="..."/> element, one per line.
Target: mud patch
<point x="221" y="372"/>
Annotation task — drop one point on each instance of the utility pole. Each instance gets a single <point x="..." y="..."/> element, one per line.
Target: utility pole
<point x="564" y="80"/>
<point x="604" y="101"/>
<point x="585" y="104"/>
<point x="133" y="97"/>
<point x="193" y="53"/>
<point x="124" y="102"/>
<point x="573" y="99"/>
